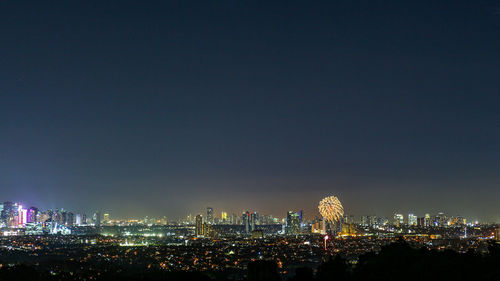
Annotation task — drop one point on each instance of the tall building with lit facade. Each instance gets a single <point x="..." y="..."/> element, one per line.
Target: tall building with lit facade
<point x="223" y="217"/>
<point x="254" y="220"/>
<point x="412" y="220"/>
<point x="7" y="213"/>
<point x="97" y="219"/>
<point x="398" y="220"/>
<point x="249" y="220"/>
<point x="318" y="226"/>
<point x="32" y="215"/>
<point x="440" y="220"/>
<point x="292" y="226"/>
<point x="105" y="219"/>
<point x="427" y="220"/>
<point x="349" y="219"/>
<point x="22" y="215"/>
<point x="245" y="220"/>
<point x="497" y="234"/>
<point x="78" y="219"/>
<point x="199" y="226"/>
<point x="70" y="219"/>
<point x="210" y="215"/>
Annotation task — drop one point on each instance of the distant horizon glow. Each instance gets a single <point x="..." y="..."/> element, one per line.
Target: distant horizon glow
<point x="162" y="109"/>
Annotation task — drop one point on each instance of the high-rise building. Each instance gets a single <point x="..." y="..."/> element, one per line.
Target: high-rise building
<point x="70" y="219"/>
<point x="22" y="215"/>
<point x="105" y="219"/>
<point x="441" y="220"/>
<point x="398" y="220"/>
<point x="497" y="234"/>
<point x="223" y="217"/>
<point x="199" y="231"/>
<point x="254" y="220"/>
<point x="365" y="220"/>
<point x="234" y="219"/>
<point x="292" y="223"/>
<point x="97" y="219"/>
<point x="7" y="212"/>
<point x="247" y="222"/>
<point x="210" y="215"/>
<point x="348" y="219"/>
<point x="427" y="220"/>
<point x="412" y="220"/>
<point x="318" y="226"/>
<point x="32" y="215"/>
<point x="78" y="219"/>
<point x="421" y="222"/>
<point x="64" y="218"/>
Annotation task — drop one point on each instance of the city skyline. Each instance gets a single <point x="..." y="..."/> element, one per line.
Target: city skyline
<point x="164" y="108"/>
<point x="217" y="213"/>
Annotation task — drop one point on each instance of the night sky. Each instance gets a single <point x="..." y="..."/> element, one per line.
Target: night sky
<point x="146" y="108"/>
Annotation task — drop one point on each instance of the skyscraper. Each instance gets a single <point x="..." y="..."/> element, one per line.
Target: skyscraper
<point x="70" y="219"/>
<point x="199" y="226"/>
<point x="32" y="214"/>
<point x="292" y="223"/>
<point x="97" y="219"/>
<point x="441" y="220"/>
<point x="254" y="219"/>
<point x="427" y="220"/>
<point x="22" y="215"/>
<point x="223" y="217"/>
<point x="234" y="219"/>
<point x="398" y="220"/>
<point x="412" y="220"/>
<point x="210" y="215"/>
<point x="7" y="212"/>
<point x="105" y="219"/>
<point x="78" y="219"/>
<point x="245" y="219"/>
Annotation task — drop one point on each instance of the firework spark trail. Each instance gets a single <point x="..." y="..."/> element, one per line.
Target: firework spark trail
<point x="331" y="209"/>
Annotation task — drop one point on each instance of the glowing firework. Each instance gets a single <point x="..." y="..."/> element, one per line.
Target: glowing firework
<point x="331" y="209"/>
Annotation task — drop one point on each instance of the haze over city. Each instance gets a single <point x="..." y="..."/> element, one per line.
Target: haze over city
<point x="166" y="108"/>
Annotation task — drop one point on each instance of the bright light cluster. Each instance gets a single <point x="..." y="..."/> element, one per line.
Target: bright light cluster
<point x="331" y="209"/>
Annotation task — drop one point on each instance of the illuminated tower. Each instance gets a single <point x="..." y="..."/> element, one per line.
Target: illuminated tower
<point x="245" y="219"/>
<point x="22" y="215"/>
<point x="292" y="223"/>
<point x="97" y="219"/>
<point x="105" y="219"/>
<point x="427" y="220"/>
<point x="198" y="231"/>
<point x="70" y="219"/>
<point x="32" y="215"/>
<point x="254" y="219"/>
<point x="78" y="219"/>
<point x="398" y="220"/>
<point x="7" y="212"/>
<point x="223" y="217"/>
<point x="210" y="215"/>
<point x="412" y="220"/>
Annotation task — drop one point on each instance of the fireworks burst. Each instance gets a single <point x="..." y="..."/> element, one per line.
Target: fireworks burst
<point x="331" y="209"/>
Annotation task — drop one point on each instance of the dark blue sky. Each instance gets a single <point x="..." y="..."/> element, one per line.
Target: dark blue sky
<point x="142" y="107"/>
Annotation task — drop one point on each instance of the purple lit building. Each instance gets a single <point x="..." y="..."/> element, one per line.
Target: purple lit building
<point x="31" y="215"/>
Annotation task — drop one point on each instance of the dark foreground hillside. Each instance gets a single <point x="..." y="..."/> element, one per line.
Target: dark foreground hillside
<point x="397" y="261"/>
